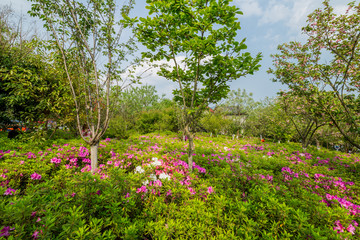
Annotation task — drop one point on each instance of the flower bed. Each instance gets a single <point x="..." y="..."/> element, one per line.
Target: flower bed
<point x="143" y="189"/>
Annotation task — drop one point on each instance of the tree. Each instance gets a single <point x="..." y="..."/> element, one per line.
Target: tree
<point x="269" y="120"/>
<point x="196" y="40"/>
<point x="215" y="122"/>
<point x="134" y="100"/>
<point x="240" y="102"/>
<point x="332" y="84"/>
<point x="239" y="105"/>
<point x="86" y="37"/>
<point x="303" y="115"/>
<point x="30" y="87"/>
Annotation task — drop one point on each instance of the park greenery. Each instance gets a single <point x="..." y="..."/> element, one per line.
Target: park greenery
<point x="102" y="156"/>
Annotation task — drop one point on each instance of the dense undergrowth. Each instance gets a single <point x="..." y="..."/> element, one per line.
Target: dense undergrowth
<point x="239" y="189"/>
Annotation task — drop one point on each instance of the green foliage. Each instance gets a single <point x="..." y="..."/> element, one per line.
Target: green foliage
<point x="205" y="33"/>
<point x="215" y="122"/>
<point x="140" y="109"/>
<point x="31" y="88"/>
<point x="269" y="121"/>
<point x="86" y="43"/>
<point x="330" y="87"/>
<point x="255" y="192"/>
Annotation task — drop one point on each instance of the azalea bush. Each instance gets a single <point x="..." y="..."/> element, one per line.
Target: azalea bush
<point x="143" y="189"/>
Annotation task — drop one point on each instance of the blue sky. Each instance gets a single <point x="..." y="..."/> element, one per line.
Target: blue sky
<point x="265" y="24"/>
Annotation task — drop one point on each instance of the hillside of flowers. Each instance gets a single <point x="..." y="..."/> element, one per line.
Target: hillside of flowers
<point x="143" y="189"/>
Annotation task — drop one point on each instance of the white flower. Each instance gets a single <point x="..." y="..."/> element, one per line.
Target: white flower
<point x="153" y="177"/>
<point x="139" y="169"/>
<point x="155" y="162"/>
<point x="146" y="182"/>
<point x="164" y="176"/>
<point x="226" y="148"/>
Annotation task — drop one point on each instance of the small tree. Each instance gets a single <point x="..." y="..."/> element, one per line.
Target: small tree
<point x="239" y="104"/>
<point x="269" y="120"/>
<point x="197" y="42"/>
<point x="86" y="36"/>
<point x="305" y="117"/>
<point x="335" y="81"/>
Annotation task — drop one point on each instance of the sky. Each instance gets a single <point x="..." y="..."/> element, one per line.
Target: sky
<point x="265" y="25"/>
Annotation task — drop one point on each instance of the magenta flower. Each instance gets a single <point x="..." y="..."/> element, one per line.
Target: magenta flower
<point x="338" y="228"/>
<point x="5" y="231"/>
<point x="127" y="195"/>
<point x="210" y="190"/>
<point x="168" y="193"/>
<point x="36" y="234"/>
<point x="9" y="191"/>
<point x="33" y="214"/>
<point x="87" y="168"/>
<point x="158" y="183"/>
<point x="38" y="220"/>
<point x="35" y="176"/>
<point x="73" y="194"/>
<point x="192" y="191"/>
<point x="141" y="189"/>
<point x="351" y="229"/>
<point x="55" y="160"/>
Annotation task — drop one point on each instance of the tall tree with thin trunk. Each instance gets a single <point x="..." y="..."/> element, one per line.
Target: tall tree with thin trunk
<point x="197" y="42"/>
<point x="86" y="36"/>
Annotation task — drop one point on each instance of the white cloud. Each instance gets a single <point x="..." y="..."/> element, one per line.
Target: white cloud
<point x="149" y="76"/>
<point x="249" y="7"/>
<point x="275" y="11"/>
<point x="298" y="14"/>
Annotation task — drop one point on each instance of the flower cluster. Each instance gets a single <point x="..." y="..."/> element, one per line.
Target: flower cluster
<point x="35" y="176"/>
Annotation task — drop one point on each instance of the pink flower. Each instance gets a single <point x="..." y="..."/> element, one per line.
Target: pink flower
<point x="5" y="231"/>
<point x="142" y="189"/>
<point x="73" y="194"/>
<point x="168" y="193"/>
<point x="158" y="183"/>
<point x="338" y="228"/>
<point x="36" y="234"/>
<point x="55" y="160"/>
<point x="38" y="220"/>
<point x="127" y="195"/>
<point x="87" y="168"/>
<point x="192" y="191"/>
<point x="33" y="214"/>
<point x="9" y="191"/>
<point x="210" y="190"/>
<point x="351" y="229"/>
<point x="35" y="176"/>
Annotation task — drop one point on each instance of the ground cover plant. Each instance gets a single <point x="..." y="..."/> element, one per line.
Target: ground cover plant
<point x="143" y="189"/>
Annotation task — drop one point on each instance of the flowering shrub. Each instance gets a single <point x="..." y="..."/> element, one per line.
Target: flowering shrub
<point x="143" y="188"/>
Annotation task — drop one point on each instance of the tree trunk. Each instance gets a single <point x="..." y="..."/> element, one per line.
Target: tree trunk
<point x="317" y="144"/>
<point x="53" y="133"/>
<point x="304" y="144"/>
<point x="191" y="146"/>
<point x="94" y="156"/>
<point x="191" y="149"/>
